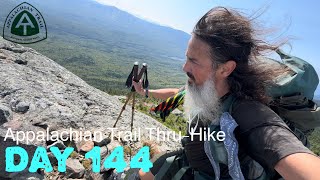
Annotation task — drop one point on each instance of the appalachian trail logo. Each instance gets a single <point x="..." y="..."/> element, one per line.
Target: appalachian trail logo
<point x="25" y="25"/>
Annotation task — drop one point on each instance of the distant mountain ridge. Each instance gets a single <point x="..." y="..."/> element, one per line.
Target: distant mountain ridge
<point x="102" y="21"/>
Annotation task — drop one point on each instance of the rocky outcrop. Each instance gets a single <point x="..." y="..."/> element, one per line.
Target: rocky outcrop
<point x="37" y="94"/>
<point x="74" y="168"/>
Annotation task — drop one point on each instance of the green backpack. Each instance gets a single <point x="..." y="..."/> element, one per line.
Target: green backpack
<point x="292" y="101"/>
<point x="293" y="94"/>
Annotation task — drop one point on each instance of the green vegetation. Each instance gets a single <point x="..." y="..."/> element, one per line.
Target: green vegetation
<point x="315" y="136"/>
<point x="106" y="70"/>
<point x="175" y="122"/>
<point x="315" y="141"/>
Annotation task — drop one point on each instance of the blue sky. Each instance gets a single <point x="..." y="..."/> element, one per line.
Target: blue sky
<point x="294" y="19"/>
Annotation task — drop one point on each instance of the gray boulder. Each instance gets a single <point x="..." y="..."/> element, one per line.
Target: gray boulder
<point x="74" y="168"/>
<point x="22" y="107"/>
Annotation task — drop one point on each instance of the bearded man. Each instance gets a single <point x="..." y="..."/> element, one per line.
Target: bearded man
<point x="222" y="62"/>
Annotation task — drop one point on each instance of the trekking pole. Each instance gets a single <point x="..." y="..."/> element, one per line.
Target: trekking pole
<point x="123" y="108"/>
<point x="134" y="73"/>
<point x="133" y="103"/>
<point x="135" y="77"/>
<point x="133" y="90"/>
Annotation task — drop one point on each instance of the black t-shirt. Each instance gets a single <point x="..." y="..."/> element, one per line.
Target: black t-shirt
<point x="262" y="135"/>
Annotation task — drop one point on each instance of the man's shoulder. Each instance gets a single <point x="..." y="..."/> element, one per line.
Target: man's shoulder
<point x="247" y="106"/>
<point x="250" y="114"/>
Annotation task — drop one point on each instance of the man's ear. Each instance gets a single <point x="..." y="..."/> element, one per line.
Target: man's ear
<point x="227" y="68"/>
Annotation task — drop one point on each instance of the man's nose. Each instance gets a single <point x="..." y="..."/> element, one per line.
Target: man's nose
<point x="186" y="67"/>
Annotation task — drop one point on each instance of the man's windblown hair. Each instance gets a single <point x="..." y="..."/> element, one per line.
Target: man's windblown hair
<point x="231" y="36"/>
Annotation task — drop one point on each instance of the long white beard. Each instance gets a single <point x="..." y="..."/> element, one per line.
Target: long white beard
<point x="203" y="102"/>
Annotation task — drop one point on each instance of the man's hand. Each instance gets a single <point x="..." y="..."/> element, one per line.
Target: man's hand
<point x="138" y="87"/>
<point x="155" y="93"/>
<point x="146" y="176"/>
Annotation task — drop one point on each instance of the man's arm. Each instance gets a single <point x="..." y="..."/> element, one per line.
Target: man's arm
<point x="163" y="94"/>
<point x="299" y="166"/>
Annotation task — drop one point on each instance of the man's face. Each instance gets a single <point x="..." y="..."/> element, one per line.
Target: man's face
<point x="198" y="65"/>
<point x="201" y="97"/>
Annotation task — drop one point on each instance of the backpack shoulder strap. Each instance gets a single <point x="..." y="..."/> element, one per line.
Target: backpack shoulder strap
<point x="165" y="167"/>
<point x="180" y="173"/>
